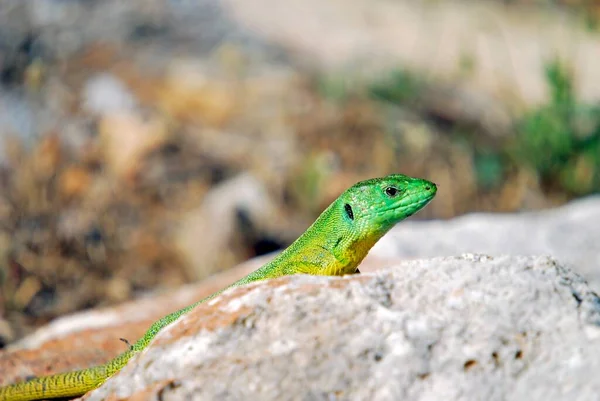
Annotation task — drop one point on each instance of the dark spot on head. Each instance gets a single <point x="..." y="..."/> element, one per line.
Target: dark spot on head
<point x="349" y="211"/>
<point x="519" y="354"/>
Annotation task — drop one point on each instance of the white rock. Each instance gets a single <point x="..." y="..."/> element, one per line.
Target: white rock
<point x="570" y="233"/>
<point x="390" y="335"/>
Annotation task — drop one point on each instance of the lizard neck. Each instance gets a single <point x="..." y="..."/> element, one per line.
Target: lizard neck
<point x="332" y="244"/>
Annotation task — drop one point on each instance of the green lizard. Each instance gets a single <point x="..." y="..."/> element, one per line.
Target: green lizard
<point x="333" y="245"/>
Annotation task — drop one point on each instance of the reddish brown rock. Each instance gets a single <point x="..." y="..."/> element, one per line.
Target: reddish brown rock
<point x="91" y="338"/>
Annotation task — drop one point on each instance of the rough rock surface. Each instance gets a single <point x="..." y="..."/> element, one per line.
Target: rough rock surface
<point x="570" y="233"/>
<point x="462" y="328"/>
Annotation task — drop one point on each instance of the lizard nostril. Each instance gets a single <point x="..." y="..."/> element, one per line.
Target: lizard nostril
<point x="427" y="188"/>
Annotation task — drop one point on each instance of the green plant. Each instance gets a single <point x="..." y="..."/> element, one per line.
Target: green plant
<point x="561" y="139"/>
<point x="399" y="86"/>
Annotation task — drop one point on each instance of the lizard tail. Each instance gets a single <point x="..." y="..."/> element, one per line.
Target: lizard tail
<point x="61" y="385"/>
<point x="55" y="386"/>
<point x="79" y="382"/>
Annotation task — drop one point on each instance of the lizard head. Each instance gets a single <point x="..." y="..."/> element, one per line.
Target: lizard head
<point x="342" y="236"/>
<point x="374" y="206"/>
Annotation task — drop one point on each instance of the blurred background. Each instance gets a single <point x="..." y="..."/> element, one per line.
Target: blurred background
<point x="145" y="144"/>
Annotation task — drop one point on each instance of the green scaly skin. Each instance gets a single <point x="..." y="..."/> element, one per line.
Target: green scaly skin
<point x="334" y="245"/>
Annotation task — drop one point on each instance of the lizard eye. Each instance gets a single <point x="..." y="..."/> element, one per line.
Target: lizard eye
<point x="392" y="192"/>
